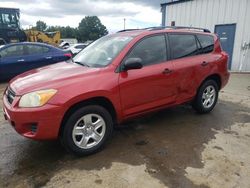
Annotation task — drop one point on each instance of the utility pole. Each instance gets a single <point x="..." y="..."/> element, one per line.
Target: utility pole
<point x="124" y="23"/>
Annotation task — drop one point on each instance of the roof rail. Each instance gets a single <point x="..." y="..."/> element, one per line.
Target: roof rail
<point x="194" y="28"/>
<point x="178" y="27"/>
<point x="168" y="27"/>
<point x="124" y="30"/>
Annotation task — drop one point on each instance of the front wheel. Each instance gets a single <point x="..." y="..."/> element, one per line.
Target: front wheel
<point x="206" y="97"/>
<point x="87" y="130"/>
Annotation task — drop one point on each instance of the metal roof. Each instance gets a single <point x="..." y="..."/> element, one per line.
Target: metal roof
<point x="171" y="2"/>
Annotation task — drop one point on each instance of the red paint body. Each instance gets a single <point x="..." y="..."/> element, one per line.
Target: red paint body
<point x="132" y="93"/>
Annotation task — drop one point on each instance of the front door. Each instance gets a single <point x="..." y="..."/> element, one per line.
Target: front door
<point x="11" y="62"/>
<point x="226" y="35"/>
<point x="151" y="86"/>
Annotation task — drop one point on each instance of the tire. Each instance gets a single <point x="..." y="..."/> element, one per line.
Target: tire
<point x="81" y="135"/>
<point x="204" y="102"/>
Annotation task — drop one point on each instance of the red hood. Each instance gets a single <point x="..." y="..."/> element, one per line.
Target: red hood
<point x="50" y="77"/>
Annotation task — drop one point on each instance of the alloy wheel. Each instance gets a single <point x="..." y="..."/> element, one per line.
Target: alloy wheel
<point x="88" y="131"/>
<point x="208" y="96"/>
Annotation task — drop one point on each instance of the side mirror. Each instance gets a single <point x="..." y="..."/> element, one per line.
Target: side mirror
<point x="132" y="63"/>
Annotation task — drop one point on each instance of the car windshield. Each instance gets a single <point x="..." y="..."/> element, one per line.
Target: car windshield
<point x="102" y="52"/>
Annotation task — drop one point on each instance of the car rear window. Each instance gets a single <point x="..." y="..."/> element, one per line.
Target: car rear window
<point x="182" y="45"/>
<point x="35" y="49"/>
<point x="207" y="43"/>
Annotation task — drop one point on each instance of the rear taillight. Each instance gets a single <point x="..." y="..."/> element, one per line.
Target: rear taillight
<point x="68" y="55"/>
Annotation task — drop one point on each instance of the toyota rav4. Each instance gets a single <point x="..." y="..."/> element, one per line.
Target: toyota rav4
<point x="118" y="77"/>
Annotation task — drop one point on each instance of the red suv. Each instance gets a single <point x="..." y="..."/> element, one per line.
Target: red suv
<point x="118" y="77"/>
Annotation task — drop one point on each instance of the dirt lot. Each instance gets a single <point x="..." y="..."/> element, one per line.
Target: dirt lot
<point x="172" y="148"/>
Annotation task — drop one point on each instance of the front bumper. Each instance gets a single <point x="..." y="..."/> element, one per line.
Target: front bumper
<point x="42" y="123"/>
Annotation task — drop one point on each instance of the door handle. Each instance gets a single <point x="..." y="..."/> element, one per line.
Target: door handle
<point x="20" y="60"/>
<point x="166" y="71"/>
<point x="48" y="57"/>
<point x="204" y="63"/>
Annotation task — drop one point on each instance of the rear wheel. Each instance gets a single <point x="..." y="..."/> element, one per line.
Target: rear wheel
<point x="206" y="97"/>
<point x="87" y="130"/>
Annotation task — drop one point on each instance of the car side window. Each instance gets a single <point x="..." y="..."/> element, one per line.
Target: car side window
<point x="207" y="43"/>
<point x="182" y="45"/>
<point x="46" y="49"/>
<point x="151" y="50"/>
<point x="16" y="50"/>
<point x="35" y="49"/>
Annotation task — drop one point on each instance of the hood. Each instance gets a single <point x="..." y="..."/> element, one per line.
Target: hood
<point x="51" y="77"/>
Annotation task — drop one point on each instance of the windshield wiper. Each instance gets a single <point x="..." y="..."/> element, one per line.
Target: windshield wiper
<point x="80" y="63"/>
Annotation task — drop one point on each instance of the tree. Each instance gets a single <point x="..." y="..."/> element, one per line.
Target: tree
<point x="91" y="28"/>
<point x="69" y="32"/>
<point x="41" y="26"/>
<point x="66" y="32"/>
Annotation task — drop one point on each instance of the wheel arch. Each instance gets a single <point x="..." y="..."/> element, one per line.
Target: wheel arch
<point x="216" y="77"/>
<point x="101" y="101"/>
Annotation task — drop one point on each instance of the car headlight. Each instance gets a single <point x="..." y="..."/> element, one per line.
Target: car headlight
<point x="36" y="98"/>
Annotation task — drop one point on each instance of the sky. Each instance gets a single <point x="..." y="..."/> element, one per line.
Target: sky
<point x="138" y="13"/>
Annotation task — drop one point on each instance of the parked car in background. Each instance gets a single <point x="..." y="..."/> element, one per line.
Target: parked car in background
<point x="64" y="45"/>
<point x="76" y="48"/>
<point x="118" y="77"/>
<point x="67" y="42"/>
<point x="17" y="58"/>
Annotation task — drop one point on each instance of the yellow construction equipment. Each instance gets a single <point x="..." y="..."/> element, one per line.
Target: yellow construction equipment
<point x="52" y="38"/>
<point x="10" y="30"/>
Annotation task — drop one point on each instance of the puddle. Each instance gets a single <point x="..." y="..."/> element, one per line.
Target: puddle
<point x="160" y="147"/>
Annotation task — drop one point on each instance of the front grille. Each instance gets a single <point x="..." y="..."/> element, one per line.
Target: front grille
<point x="10" y="94"/>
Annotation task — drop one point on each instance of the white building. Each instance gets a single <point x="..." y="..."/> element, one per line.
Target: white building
<point x="230" y="19"/>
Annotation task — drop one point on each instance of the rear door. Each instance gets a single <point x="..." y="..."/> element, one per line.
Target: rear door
<point x="59" y="55"/>
<point x="189" y="66"/>
<point x="207" y="57"/>
<point x="37" y="56"/>
<point x="152" y="85"/>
